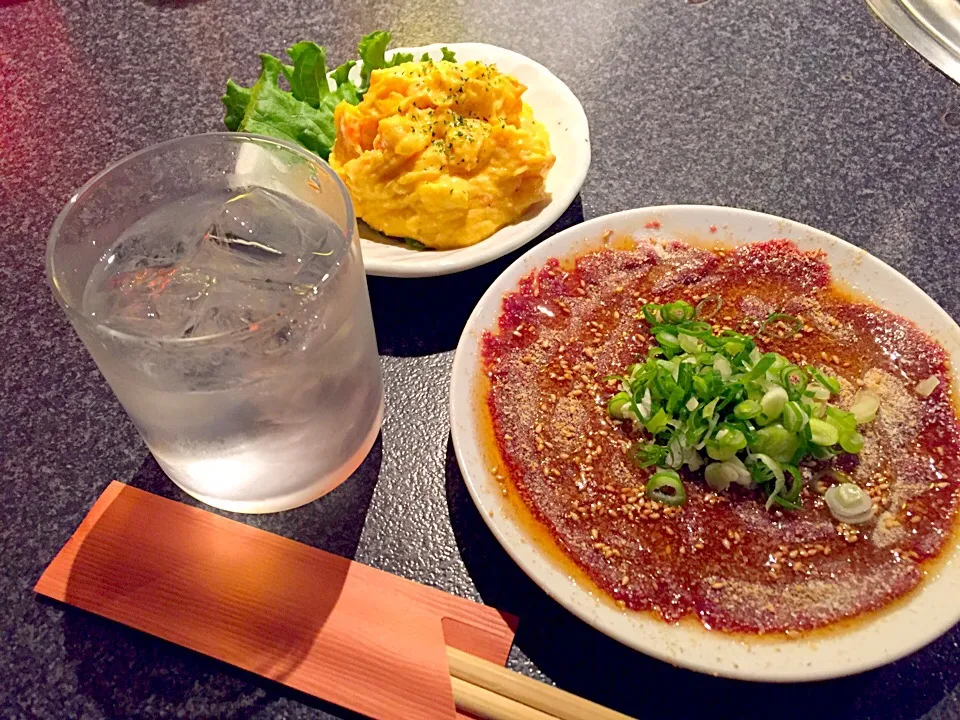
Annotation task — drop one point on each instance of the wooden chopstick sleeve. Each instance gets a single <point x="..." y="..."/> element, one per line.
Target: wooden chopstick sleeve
<point x="322" y="624"/>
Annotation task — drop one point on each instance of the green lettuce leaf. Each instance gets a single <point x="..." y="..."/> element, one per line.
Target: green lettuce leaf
<point x="304" y="113"/>
<point x="236" y="100"/>
<point x="278" y="113"/>
<point x="308" y="80"/>
<point x="372" y="51"/>
<point x="342" y="74"/>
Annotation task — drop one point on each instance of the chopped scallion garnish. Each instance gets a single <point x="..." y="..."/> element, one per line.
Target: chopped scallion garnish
<point x="708" y="307"/>
<point x="665" y="487"/>
<point x="784" y="326"/>
<point x="713" y="399"/>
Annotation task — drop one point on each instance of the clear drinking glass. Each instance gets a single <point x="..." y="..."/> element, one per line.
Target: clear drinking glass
<point x="217" y="282"/>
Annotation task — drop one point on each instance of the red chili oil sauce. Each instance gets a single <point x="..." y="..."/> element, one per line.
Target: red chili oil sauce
<point x="721" y="557"/>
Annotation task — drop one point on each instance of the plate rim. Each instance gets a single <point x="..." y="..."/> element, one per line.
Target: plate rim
<point x="540" y="568"/>
<point x="543" y="220"/>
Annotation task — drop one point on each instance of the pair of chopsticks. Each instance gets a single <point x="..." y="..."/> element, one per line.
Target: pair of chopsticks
<point x="495" y="693"/>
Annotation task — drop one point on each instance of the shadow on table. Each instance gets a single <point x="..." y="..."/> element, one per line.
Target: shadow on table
<point x="583" y="661"/>
<point x="124" y="671"/>
<point x="423" y="316"/>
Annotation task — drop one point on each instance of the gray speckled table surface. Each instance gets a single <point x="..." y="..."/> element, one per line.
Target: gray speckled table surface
<point x="807" y="109"/>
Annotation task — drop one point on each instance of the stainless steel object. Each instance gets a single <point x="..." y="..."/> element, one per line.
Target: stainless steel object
<point x="931" y="27"/>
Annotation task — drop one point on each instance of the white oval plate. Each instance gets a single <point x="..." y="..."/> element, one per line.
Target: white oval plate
<point x="888" y="636"/>
<point x="559" y="110"/>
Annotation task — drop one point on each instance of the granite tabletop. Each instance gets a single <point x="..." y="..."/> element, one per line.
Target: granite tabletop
<point x="807" y="109"/>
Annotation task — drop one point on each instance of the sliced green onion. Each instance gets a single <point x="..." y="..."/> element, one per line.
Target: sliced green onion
<point x="658" y="422"/>
<point x="668" y="341"/>
<point x="778" y="365"/>
<point x="819" y="392"/>
<point x="792" y="320"/>
<point x="791" y="499"/>
<point x="820" y="452"/>
<point x="719" y="475"/>
<point x="851" y="442"/>
<point x="675" y="400"/>
<point x="776" y="441"/>
<point x="709" y="306"/>
<point x="762" y="420"/>
<point x="675" y="454"/>
<point x="700" y="386"/>
<point x="697" y="328"/>
<point x="747" y="409"/>
<point x="645" y="407"/>
<point x="676" y="312"/>
<point x="845" y="422"/>
<point x="709" y="408"/>
<point x="796" y="484"/>
<point x="830" y="383"/>
<point x="644" y="456"/>
<point x="617" y="403"/>
<point x="794" y="417"/>
<point x="725" y="444"/>
<point x="722" y="366"/>
<point x="760" y="368"/>
<point x="823" y="433"/>
<point x="865" y="405"/>
<point x="764" y="469"/>
<point x="794" y="381"/>
<point x="689" y="343"/>
<point x="773" y="401"/>
<point x="665" y="487"/>
<point x="699" y="394"/>
<point x="849" y="504"/>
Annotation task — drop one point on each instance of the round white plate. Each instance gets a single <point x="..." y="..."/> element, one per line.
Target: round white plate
<point x="559" y="110"/>
<point x="890" y="635"/>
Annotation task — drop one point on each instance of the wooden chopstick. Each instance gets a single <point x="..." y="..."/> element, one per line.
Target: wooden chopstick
<point x="495" y="693"/>
<point x="490" y="706"/>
